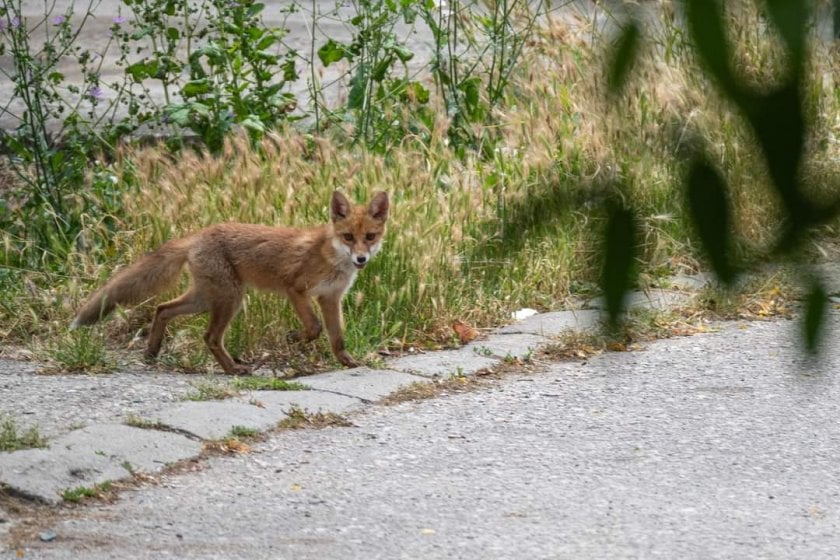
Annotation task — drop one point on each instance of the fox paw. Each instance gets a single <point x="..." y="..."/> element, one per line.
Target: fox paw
<point x="302" y="336"/>
<point x="238" y="369"/>
<point x="347" y="360"/>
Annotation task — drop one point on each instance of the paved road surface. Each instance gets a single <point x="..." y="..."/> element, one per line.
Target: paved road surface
<point x="724" y="445"/>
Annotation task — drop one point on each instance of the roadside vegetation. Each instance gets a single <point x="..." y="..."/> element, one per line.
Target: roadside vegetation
<point x="13" y="438"/>
<point x="505" y="162"/>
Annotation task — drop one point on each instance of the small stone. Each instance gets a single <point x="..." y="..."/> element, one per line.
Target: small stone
<point x="47" y="536"/>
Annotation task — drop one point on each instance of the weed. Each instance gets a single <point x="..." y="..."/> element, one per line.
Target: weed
<point x="422" y="390"/>
<point x="266" y="384"/>
<point x="79" y="493"/>
<point x="81" y="350"/>
<point x="297" y="418"/>
<point x="483" y="351"/>
<point x="240" y="432"/>
<point x="227" y="445"/>
<point x="210" y="390"/>
<point x="136" y="421"/>
<point x="480" y="233"/>
<point x="12" y="439"/>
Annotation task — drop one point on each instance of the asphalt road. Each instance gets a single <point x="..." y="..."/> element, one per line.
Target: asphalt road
<point x="722" y="445"/>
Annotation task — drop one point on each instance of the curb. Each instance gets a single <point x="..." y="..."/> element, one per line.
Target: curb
<point x="98" y="454"/>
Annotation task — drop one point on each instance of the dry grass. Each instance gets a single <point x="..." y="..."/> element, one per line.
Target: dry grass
<point x="470" y="238"/>
<point x="423" y="390"/>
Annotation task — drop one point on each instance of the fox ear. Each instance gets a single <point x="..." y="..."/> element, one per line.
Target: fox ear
<point x="378" y="207"/>
<point x="339" y="207"/>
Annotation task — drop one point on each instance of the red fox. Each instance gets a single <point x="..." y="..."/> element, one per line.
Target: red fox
<point x="317" y="262"/>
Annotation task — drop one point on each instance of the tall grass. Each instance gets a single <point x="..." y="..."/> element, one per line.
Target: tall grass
<point x="471" y="237"/>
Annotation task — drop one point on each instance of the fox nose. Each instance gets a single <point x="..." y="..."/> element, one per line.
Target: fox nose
<point x="361" y="259"/>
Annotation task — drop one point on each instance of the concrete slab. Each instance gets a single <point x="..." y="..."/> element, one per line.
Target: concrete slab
<point x="507" y="345"/>
<point x="138" y="449"/>
<point x="655" y="299"/>
<point x="212" y="420"/>
<point x="91" y="456"/>
<point x="280" y="402"/>
<point x="830" y="274"/>
<point x="444" y="364"/>
<point x="555" y="323"/>
<point x="5" y="524"/>
<point x="363" y="383"/>
<point x="693" y="282"/>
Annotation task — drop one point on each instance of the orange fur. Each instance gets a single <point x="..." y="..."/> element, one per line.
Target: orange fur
<point x="317" y="262"/>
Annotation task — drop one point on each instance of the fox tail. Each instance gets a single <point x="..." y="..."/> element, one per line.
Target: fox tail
<point x="150" y="275"/>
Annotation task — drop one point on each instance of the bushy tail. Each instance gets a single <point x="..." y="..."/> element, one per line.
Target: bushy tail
<point x="152" y="274"/>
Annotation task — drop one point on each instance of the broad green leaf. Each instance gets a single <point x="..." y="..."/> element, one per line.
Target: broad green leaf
<point x="331" y="51"/>
<point x="255" y="9"/>
<point x="253" y="122"/>
<point x="200" y="109"/>
<point x="266" y="42"/>
<point x="403" y="53"/>
<point x="417" y="92"/>
<point x="195" y="88"/>
<point x="381" y="68"/>
<point x="289" y="70"/>
<point x="179" y="114"/>
<point x="139" y="71"/>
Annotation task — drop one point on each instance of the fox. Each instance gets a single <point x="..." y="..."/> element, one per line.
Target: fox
<point x="302" y="263"/>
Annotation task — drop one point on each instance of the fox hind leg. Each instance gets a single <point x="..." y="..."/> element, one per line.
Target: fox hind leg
<point x="187" y="304"/>
<point x="222" y="312"/>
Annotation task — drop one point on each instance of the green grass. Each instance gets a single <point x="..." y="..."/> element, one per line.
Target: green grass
<point x="80" y="350"/>
<point x="136" y="421"/>
<point x="12" y="438"/>
<point x="266" y="384"/>
<point x="470" y="238"/>
<point x="210" y="390"/>
<point x="238" y="432"/>
<point x="79" y="493"/>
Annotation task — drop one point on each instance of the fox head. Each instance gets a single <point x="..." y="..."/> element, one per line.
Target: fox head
<point x="359" y="229"/>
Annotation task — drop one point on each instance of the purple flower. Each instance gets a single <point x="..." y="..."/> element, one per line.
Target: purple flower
<point x="15" y="22"/>
<point x="58" y="20"/>
<point x="118" y="20"/>
<point x="95" y="93"/>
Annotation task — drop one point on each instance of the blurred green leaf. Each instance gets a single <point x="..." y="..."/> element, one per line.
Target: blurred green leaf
<point x="705" y="19"/>
<point x="624" y="54"/>
<point x="620" y="249"/>
<point x="790" y="17"/>
<point x="708" y="206"/>
<point x="331" y="51"/>
<point x="816" y="303"/>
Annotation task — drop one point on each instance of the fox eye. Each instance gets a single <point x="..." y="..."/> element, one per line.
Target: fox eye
<point x="348" y="237"/>
<point x="370" y="236"/>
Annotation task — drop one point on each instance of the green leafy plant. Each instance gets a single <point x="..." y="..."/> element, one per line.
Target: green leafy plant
<point x="81" y="350"/>
<point x="375" y="51"/>
<point x="255" y="383"/>
<point x="13" y="439"/>
<point x="235" y="78"/>
<point x="477" y="47"/>
<point x="61" y="127"/>
<point x="210" y="390"/>
<point x="79" y="493"/>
